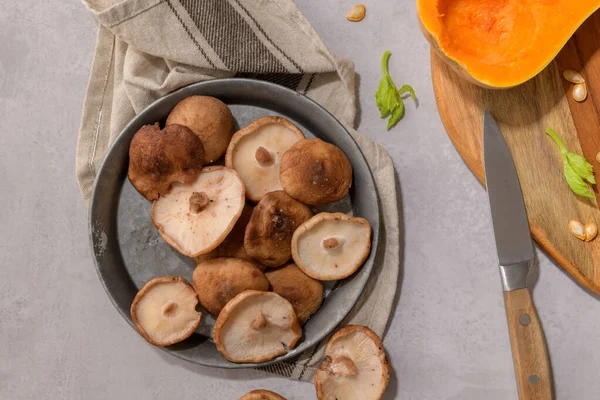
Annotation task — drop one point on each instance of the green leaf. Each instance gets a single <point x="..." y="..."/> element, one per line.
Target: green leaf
<point x="577" y="169"/>
<point x="396" y="116"/>
<point x="576" y="183"/>
<point x="386" y="97"/>
<point x="559" y="143"/>
<point x="407" y="89"/>
<point x="580" y="165"/>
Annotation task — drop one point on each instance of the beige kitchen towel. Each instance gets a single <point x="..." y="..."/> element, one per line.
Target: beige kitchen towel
<point x="148" y="48"/>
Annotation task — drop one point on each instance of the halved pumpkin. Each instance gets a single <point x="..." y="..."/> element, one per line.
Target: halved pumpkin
<point x="501" y="43"/>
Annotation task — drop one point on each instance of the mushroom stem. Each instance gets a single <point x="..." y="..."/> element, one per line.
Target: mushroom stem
<point x="260" y="321"/>
<point x="330" y="243"/>
<point x="198" y="202"/>
<point x="342" y="366"/>
<point x="169" y="309"/>
<point x="263" y="156"/>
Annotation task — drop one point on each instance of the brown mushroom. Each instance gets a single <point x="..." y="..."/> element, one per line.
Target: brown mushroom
<point x="269" y="233"/>
<point x="355" y="366"/>
<point x="255" y="152"/>
<point x="210" y="119"/>
<point x="315" y="172"/>
<point x="219" y="280"/>
<point x="159" y="158"/>
<point x="196" y="218"/>
<point x="303" y="292"/>
<point x="255" y="327"/>
<point x="331" y="246"/>
<point x="261" y="394"/>
<point x="164" y="310"/>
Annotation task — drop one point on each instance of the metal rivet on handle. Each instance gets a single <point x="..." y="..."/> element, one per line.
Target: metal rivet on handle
<point x="533" y="378"/>
<point x="524" y="319"/>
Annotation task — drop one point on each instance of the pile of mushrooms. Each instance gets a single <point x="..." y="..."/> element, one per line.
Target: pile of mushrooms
<point x="261" y="248"/>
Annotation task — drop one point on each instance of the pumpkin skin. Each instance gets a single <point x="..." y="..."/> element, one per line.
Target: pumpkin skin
<point x="501" y="43"/>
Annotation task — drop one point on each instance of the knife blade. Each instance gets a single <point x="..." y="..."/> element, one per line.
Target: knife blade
<point x="515" y="258"/>
<point x="509" y="216"/>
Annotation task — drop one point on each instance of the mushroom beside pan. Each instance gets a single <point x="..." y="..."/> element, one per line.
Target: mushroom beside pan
<point x="164" y="310"/>
<point x="355" y="366"/>
<point x="331" y="246"/>
<point x="219" y="280"/>
<point x="256" y="150"/>
<point x="210" y="119"/>
<point x="256" y="327"/>
<point x="269" y="232"/>
<point x="196" y="218"/>
<point x="261" y="394"/>
<point x="315" y="172"/>
<point x="159" y="158"/>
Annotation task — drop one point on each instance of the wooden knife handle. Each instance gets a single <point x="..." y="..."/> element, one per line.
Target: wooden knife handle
<point x="530" y="355"/>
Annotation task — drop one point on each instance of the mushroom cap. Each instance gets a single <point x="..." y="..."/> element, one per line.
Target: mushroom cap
<point x="269" y="233"/>
<point x="210" y="119"/>
<point x="219" y="280"/>
<point x="315" y="172"/>
<point x="259" y="169"/>
<point x="158" y="158"/>
<point x="331" y="246"/>
<point x="355" y="366"/>
<point x="220" y="192"/>
<point x="255" y="327"/>
<point x="164" y="310"/>
<point x="304" y="293"/>
<point x="261" y="394"/>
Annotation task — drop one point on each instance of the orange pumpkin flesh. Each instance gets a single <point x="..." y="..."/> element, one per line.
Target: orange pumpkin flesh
<point x="501" y="43"/>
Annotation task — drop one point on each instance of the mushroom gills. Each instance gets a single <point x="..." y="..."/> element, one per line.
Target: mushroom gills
<point x="331" y="246"/>
<point x="255" y="152"/>
<point x="164" y="311"/>
<point x="355" y="366"/>
<point x="196" y="218"/>
<point x="255" y="327"/>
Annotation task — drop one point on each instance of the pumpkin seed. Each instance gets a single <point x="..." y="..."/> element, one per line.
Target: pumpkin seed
<point x="573" y="76"/>
<point x="591" y="230"/>
<point x="576" y="229"/>
<point x="357" y="13"/>
<point x="580" y="92"/>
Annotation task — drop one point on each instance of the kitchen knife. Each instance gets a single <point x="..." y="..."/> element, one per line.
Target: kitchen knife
<point x="515" y="258"/>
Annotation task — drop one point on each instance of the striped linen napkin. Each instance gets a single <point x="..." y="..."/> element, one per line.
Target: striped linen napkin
<point x="148" y="48"/>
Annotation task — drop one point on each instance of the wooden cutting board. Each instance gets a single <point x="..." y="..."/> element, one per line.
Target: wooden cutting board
<point x="523" y="113"/>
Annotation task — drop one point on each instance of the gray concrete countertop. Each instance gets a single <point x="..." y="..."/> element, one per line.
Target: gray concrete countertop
<point x="60" y="337"/>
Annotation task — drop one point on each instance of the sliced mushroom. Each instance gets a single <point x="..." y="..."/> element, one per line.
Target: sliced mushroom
<point x="269" y="233"/>
<point x="210" y="119"/>
<point x="220" y="280"/>
<point x="355" y="366"/>
<point x="261" y="394"/>
<point x="331" y="246"/>
<point x="256" y="327"/>
<point x="159" y="158"/>
<point x="164" y="310"/>
<point x="196" y="218"/>
<point x="315" y="172"/>
<point x="303" y="292"/>
<point x="255" y="152"/>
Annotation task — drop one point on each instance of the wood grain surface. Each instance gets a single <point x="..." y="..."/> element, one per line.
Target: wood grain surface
<point x="523" y="113"/>
<point x="530" y="353"/>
